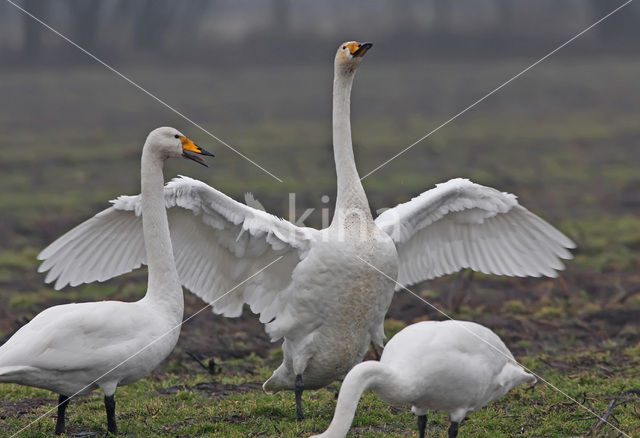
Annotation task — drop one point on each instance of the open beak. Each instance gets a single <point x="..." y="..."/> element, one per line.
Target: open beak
<point x="190" y="149"/>
<point x="361" y="50"/>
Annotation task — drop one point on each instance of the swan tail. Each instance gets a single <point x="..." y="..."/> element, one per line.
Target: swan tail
<point x="282" y="378"/>
<point x="513" y="375"/>
<point x="11" y="373"/>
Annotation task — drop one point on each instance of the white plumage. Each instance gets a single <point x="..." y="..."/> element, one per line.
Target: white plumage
<point x="452" y="366"/>
<point x="73" y="349"/>
<point x="217" y="243"/>
<point x="320" y="297"/>
<point x="460" y="224"/>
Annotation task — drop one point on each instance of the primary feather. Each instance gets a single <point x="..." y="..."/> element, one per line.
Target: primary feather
<point x="460" y="224"/>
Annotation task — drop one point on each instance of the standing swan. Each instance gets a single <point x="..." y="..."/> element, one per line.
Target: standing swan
<point x="73" y="349"/>
<point x="325" y="295"/>
<point x="451" y="366"/>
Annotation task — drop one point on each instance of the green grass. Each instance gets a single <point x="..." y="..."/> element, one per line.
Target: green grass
<point x="184" y="404"/>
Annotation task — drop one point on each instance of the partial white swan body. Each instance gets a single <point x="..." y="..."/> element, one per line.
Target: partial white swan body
<point x="68" y="348"/>
<point x="325" y="296"/>
<point x="328" y="325"/>
<point x="75" y="348"/>
<point x="455" y="367"/>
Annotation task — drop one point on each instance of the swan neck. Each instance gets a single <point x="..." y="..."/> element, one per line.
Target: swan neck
<point x="163" y="284"/>
<point x="351" y="195"/>
<point x="366" y="375"/>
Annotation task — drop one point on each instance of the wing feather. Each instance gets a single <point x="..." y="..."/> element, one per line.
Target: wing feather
<point x="217" y="243"/>
<point x="460" y="224"/>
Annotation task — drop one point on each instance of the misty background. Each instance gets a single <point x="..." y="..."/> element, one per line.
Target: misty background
<point x="207" y="31"/>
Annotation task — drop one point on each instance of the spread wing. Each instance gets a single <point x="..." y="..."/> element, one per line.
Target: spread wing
<point x="460" y="224"/>
<point x="218" y="243"/>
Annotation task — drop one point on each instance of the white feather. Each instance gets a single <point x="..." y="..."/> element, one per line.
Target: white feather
<point x="460" y="224"/>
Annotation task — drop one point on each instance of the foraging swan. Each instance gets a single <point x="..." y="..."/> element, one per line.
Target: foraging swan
<point x="451" y="366"/>
<point x="75" y="348"/>
<point x="321" y="296"/>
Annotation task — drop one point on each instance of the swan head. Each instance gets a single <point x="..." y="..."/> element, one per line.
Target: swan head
<point x="171" y="143"/>
<point x="350" y="54"/>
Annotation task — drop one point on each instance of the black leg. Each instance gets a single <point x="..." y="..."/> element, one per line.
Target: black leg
<point x="299" y="387"/>
<point x="422" y="425"/>
<point x="110" y="405"/>
<point x="453" y="429"/>
<point x="63" y="401"/>
<point x="376" y="354"/>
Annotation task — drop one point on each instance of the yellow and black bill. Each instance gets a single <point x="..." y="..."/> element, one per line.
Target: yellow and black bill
<point x="360" y="49"/>
<point x="191" y="151"/>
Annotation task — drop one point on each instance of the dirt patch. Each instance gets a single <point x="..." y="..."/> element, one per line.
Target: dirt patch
<point x="22" y="407"/>
<point x="12" y="409"/>
<point x="214" y="336"/>
<point x="214" y="389"/>
<point x="390" y="429"/>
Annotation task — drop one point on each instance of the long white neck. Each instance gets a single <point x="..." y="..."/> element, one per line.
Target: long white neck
<point x="351" y="194"/>
<point x="163" y="285"/>
<point x="366" y="375"/>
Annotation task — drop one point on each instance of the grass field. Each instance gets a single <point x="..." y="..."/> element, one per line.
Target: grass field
<point x="564" y="139"/>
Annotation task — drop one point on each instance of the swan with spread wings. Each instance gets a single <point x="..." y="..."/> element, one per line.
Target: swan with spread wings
<point x="326" y="296"/>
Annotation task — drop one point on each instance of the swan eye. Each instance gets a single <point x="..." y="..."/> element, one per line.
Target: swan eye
<point x="344" y="47"/>
<point x="176" y="136"/>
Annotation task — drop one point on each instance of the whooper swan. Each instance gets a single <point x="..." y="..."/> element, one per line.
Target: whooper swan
<point x="73" y="349"/>
<point x="451" y="366"/>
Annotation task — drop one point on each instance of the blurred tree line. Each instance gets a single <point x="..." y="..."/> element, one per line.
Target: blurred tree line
<point x="137" y="29"/>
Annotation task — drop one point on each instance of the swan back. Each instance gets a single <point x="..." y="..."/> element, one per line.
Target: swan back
<point x="429" y="337"/>
<point x="456" y="366"/>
